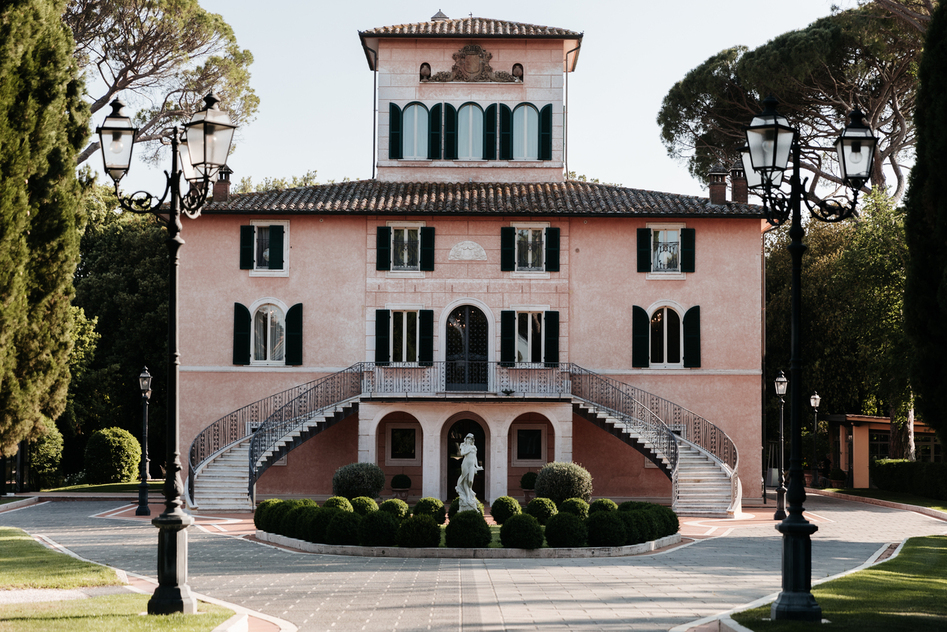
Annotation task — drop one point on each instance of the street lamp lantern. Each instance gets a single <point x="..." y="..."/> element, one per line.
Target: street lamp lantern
<point x="209" y="135"/>
<point x="117" y="137"/>
<point x="144" y="381"/>
<point x="781" y="384"/>
<point x="753" y="179"/>
<point x="815" y="400"/>
<point x="769" y="139"/>
<point x="856" y="151"/>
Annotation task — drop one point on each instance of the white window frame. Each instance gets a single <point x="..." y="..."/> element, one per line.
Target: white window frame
<point x="420" y="133"/>
<point x="400" y="425"/>
<point x="680" y="315"/>
<point x="531" y="309"/>
<point x="523" y="131"/>
<point x="404" y="334"/>
<point x="530" y="273"/>
<point x="267" y="272"/>
<point x="474" y="136"/>
<point x="254" y="308"/>
<point x="405" y="273"/>
<point x="672" y="275"/>
<point x="514" y="445"/>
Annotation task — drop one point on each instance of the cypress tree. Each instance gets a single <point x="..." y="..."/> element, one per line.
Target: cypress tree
<point x="925" y="297"/>
<point x="43" y="124"/>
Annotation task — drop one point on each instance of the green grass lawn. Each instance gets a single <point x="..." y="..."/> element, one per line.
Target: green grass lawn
<point x="25" y="563"/>
<point x="906" y="594"/>
<point x="896" y="497"/>
<point x="154" y="487"/>
<point x="4" y="501"/>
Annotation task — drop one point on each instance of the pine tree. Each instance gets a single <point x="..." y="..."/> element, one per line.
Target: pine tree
<point x="43" y="124"/>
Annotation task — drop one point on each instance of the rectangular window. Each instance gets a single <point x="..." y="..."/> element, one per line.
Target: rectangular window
<point x="528" y="447"/>
<point x="666" y="250"/>
<point x="264" y="248"/>
<point x="529" y="250"/>
<point x="404" y="336"/>
<point x="878" y="442"/>
<point x="403" y="444"/>
<point x="405" y="249"/>
<point x="529" y="337"/>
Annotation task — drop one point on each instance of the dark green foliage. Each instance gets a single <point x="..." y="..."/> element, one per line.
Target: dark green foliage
<point x="303" y="527"/>
<point x="606" y="528"/>
<point x="43" y="125"/>
<point x="432" y="507"/>
<point x="45" y="456"/>
<point x="542" y="509"/>
<point x="630" y="505"/>
<point x="925" y="296"/>
<point x="339" y="502"/>
<point x="528" y="480"/>
<point x="911" y="477"/>
<point x="396" y="507"/>
<point x="343" y="528"/>
<point x="639" y="526"/>
<point x="419" y="531"/>
<point x="665" y="520"/>
<point x="521" y="531"/>
<point x="602" y="504"/>
<point x="112" y="456"/>
<point x="566" y="530"/>
<point x="358" y="479"/>
<point x="455" y="507"/>
<point x="400" y="481"/>
<point x="468" y="530"/>
<point x="560" y="481"/>
<point x="378" y="528"/>
<point x="273" y="518"/>
<point x="575" y="506"/>
<point x="320" y="522"/>
<point x="504" y="507"/>
<point x="363" y="505"/>
<point x="289" y="525"/>
<point x="260" y="514"/>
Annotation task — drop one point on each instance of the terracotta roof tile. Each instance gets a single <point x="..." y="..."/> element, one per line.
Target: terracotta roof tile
<point x="470" y="26"/>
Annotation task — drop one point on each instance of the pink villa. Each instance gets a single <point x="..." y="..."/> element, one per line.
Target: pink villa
<point x="470" y="288"/>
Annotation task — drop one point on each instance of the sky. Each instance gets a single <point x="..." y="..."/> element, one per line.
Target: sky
<point x="315" y="87"/>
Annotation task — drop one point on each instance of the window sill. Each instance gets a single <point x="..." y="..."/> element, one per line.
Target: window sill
<point x="522" y="274"/>
<point x="404" y="274"/>
<point x="666" y="276"/>
<point x="279" y="364"/>
<point x="270" y="273"/>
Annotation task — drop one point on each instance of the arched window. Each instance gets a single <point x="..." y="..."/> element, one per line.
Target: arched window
<point x="269" y="339"/>
<point x="470" y="132"/>
<point x="665" y="337"/>
<point x="415" y="132"/>
<point x="525" y="132"/>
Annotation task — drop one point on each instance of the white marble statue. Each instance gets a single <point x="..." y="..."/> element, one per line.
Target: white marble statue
<point x="468" y="469"/>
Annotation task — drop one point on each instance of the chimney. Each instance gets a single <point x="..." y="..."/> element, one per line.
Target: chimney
<point x="718" y="184"/>
<point x="740" y="192"/>
<point x="222" y="186"/>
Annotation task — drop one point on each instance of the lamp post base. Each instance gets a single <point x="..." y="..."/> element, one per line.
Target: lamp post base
<point x="173" y="594"/>
<point x="780" y="500"/>
<point x="143" y="509"/>
<point x="795" y="602"/>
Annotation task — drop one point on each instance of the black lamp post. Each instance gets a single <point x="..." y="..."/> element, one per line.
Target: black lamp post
<point x="771" y="142"/>
<point x="781" y="384"/>
<point x="198" y="150"/>
<point x="815" y="400"/>
<point x="144" y="381"/>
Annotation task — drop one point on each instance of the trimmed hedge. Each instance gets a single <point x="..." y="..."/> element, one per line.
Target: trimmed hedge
<point x="432" y="507"/>
<point x="358" y="479"/>
<point x="639" y="526"/>
<point x="398" y="508"/>
<point x="606" y="528"/>
<point x="566" y="530"/>
<point x="542" y="509"/>
<point x="260" y="513"/>
<point x="320" y="522"/>
<point x="455" y="507"/>
<point x="602" y="504"/>
<point x="575" y="506"/>
<point x="919" y="478"/>
<point x="343" y="528"/>
<point x="468" y="530"/>
<point x="528" y="480"/>
<point x="379" y="528"/>
<point x="363" y="505"/>
<point x="287" y="525"/>
<point x="503" y="508"/>
<point x="339" y="502"/>
<point x="521" y="532"/>
<point x="112" y="455"/>
<point x="559" y="481"/>
<point x="419" y="531"/>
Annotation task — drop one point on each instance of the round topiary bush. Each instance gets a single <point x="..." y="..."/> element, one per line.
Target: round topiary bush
<point x="566" y="530"/>
<point x="363" y="505"/>
<point x="304" y="521"/>
<point x="400" y="481"/>
<point x="339" y="502"/>
<point x="288" y="524"/>
<point x="575" y="506"/>
<point x="112" y="455"/>
<point x="602" y="504"/>
<point x="419" y="531"/>
<point x="275" y="515"/>
<point x="528" y="480"/>
<point x="521" y="531"/>
<point x="358" y="479"/>
<point x="606" y="528"/>
<point x="630" y="505"/>
<point x="665" y="520"/>
<point x="468" y="530"/>
<point x="542" y="509"/>
<point x="398" y="508"/>
<point x="260" y="513"/>
<point x="503" y="508"/>
<point x="343" y="528"/>
<point x="432" y="507"/>
<point x="455" y="507"/>
<point x="319" y="523"/>
<point x="378" y="528"/>
<point x="639" y="526"/>
<point x="45" y="456"/>
<point x="559" y="481"/>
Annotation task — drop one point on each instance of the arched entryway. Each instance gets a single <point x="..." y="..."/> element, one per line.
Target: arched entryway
<point x="467" y="336"/>
<point x="455" y="436"/>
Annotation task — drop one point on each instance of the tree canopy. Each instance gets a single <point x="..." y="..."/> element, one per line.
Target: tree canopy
<point x="860" y="58"/>
<point x="163" y="56"/>
<point x="916" y="14"/>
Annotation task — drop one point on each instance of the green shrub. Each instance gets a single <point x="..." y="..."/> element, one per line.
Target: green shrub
<point x="343" y="528"/>
<point x="358" y="479"/>
<point x="396" y="507"/>
<point x="503" y="508"/>
<point x="260" y="513"/>
<point x="639" y="526"/>
<point x="287" y="525"/>
<point x="432" y="507"/>
<point x="45" y="455"/>
<point x="455" y="507"/>
<point x="275" y="515"/>
<point x="521" y="531"/>
<point x="363" y="505"/>
<point x="112" y="455"/>
<point x="468" y="530"/>
<point x="665" y="520"/>
<point x="606" y="528"/>
<point x="339" y="502"/>
<point x="400" y="481"/>
<point x="304" y="521"/>
<point x="319" y="523"/>
<point x="559" y="481"/>
<point x="575" y="506"/>
<point x="542" y="509"/>
<point x="419" y="531"/>
<point x="918" y="478"/>
<point x="528" y="480"/>
<point x="378" y="528"/>
<point x="602" y="504"/>
<point x="630" y="505"/>
<point x="566" y="530"/>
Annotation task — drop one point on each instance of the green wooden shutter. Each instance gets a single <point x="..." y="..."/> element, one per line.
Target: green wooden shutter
<point x="545" y="133"/>
<point x="692" y="338"/>
<point x="394" y="132"/>
<point x="241" y="334"/>
<point x="427" y="249"/>
<point x="450" y="132"/>
<point x="552" y="249"/>
<point x="551" y="335"/>
<point x="382" y="336"/>
<point x="506" y="132"/>
<point x="247" y="234"/>
<point x="276" y="247"/>
<point x="294" y="335"/>
<point x="426" y="337"/>
<point x="644" y="250"/>
<point x="687" y="249"/>
<point x="507" y="249"/>
<point x="640" y="332"/>
<point x="507" y="338"/>
<point x="490" y="132"/>
<point x="434" y="132"/>
<point x="383" y="248"/>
